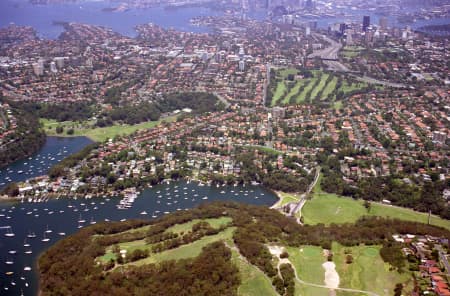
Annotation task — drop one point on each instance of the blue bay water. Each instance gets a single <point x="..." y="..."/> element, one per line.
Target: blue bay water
<point x="63" y="215"/>
<point x="41" y="17"/>
<point x="53" y="151"/>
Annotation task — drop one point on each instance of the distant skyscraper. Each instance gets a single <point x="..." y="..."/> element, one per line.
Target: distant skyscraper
<point x="53" y="68"/>
<point x="241" y="65"/>
<point x="38" y="67"/>
<point x="309" y="4"/>
<point x="59" y="62"/>
<point x="241" y="52"/>
<point x="342" y="28"/>
<point x="308" y="31"/>
<point x="366" y="22"/>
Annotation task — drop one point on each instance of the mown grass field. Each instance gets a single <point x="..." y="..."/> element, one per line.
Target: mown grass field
<point x="191" y="250"/>
<point x="351" y="51"/>
<point x="307" y="261"/>
<point x="253" y="281"/>
<point x="368" y="271"/>
<point x="330" y="208"/>
<point x="321" y="86"/>
<point x="185" y="227"/>
<point x="98" y="134"/>
<point x="178" y="228"/>
<point x="286" y="198"/>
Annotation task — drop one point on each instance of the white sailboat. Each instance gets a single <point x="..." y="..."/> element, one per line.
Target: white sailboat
<point x="9" y="232"/>
<point x="48" y="230"/>
<point x="45" y="239"/>
<point x="81" y="220"/>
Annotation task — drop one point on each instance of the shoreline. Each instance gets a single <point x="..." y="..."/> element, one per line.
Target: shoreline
<point x="68" y="195"/>
<point x="277" y="204"/>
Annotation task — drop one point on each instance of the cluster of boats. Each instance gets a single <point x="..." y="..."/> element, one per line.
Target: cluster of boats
<point x="20" y="248"/>
<point x="33" y="166"/>
<point x="11" y="253"/>
<point x="127" y="201"/>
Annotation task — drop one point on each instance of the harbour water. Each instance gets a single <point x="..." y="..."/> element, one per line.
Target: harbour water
<point x="53" y="151"/>
<point x="55" y="219"/>
<point x="41" y="17"/>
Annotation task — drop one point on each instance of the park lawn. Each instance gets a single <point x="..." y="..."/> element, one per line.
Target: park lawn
<point x="191" y="250"/>
<point x="337" y="105"/>
<point x="305" y="290"/>
<point x="140" y="229"/>
<point x="320" y="86"/>
<point x="286" y="198"/>
<point x="382" y="210"/>
<point x="99" y="134"/>
<point x="129" y="246"/>
<point x="266" y="149"/>
<point x="330" y="208"/>
<point x="299" y="98"/>
<point x="134" y="245"/>
<point x="279" y="92"/>
<point x="253" y="281"/>
<point x="108" y="256"/>
<point x="285" y="72"/>
<point x="302" y="97"/>
<point x="329" y="88"/>
<point x="353" y="48"/>
<point x="185" y="227"/>
<point x="368" y="271"/>
<point x="280" y="96"/>
<point x="50" y="125"/>
<point x="346" y="87"/>
<point x="293" y="92"/>
<point x="307" y="261"/>
<point x="350" y="53"/>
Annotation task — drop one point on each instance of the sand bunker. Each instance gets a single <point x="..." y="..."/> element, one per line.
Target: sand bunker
<point x="331" y="275"/>
<point x="275" y="250"/>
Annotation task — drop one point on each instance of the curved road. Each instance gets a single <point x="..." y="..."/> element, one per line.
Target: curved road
<point x="330" y="53"/>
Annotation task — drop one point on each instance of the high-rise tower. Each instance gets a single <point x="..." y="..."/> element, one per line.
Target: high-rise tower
<point x="366" y="23"/>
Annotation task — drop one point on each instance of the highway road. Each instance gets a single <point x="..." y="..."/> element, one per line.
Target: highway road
<point x="330" y="57"/>
<point x="443" y="258"/>
<point x="330" y="53"/>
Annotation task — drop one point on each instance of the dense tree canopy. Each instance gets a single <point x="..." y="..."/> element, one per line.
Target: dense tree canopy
<point x="69" y="267"/>
<point x="26" y="139"/>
